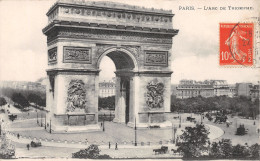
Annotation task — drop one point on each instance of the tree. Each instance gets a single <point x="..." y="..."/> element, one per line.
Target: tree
<point x="240" y="151"/>
<point x="107" y="102"/>
<point x="215" y="150"/>
<point x="92" y="152"/>
<point x="20" y="100"/>
<point x="35" y="99"/>
<point x="193" y="141"/>
<point x="225" y="148"/>
<point x="2" y="101"/>
<point x="6" y="149"/>
<point x="254" y="151"/>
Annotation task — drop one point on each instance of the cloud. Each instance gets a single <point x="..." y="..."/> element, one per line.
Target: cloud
<point x="24" y="65"/>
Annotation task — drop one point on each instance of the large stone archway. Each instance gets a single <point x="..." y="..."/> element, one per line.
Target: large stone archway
<point x="138" y="40"/>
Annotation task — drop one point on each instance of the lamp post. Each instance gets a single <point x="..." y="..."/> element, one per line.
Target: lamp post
<point x="41" y="119"/>
<point x="37" y="119"/>
<point x="180" y="122"/>
<point x="175" y="130"/>
<point x="172" y="134"/>
<point x="50" y="126"/>
<point x="201" y="118"/>
<point x="45" y="122"/>
<point x="104" y="122"/>
<point x="135" y="134"/>
<point x="110" y="115"/>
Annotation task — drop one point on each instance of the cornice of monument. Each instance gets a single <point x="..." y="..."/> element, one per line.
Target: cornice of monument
<point x="108" y="15"/>
<point x="71" y="24"/>
<point x="109" y="5"/>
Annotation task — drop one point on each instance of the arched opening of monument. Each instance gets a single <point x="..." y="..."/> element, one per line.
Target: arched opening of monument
<point x="107" y="88"/>
<point x="114" y="85"/>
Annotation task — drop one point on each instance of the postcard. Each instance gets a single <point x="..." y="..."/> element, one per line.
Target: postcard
<point x="129" y="79"/>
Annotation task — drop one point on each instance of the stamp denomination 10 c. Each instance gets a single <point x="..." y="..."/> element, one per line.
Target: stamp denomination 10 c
<point x="236" y="44"/>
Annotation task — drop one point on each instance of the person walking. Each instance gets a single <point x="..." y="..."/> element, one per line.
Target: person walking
<point x="18" y="135"/>
<point x="28" y="146"/>
<point x="116" y="147"/>
<point x="109" y="145"/>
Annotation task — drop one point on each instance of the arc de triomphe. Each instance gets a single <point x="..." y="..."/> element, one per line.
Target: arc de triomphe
<point x="138" y="40"/>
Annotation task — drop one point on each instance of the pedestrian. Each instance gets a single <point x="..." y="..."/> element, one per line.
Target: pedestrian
<point x="109" y="145"/>
<point x="116" y="147"/>
<point x="28" y="146"/>
<point x="18" y="135"/>
<point x="101" y="124"/>
<point x="87" y="141"/>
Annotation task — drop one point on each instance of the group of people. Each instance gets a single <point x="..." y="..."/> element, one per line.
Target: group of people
<point x="109" y="146"/>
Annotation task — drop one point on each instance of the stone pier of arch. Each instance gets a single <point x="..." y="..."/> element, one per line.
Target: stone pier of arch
<point x="139" y="42"/>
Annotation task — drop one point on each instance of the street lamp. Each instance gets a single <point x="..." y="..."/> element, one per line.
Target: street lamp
<point x="41" y="119"/>
<point x="45" y="122"/>
<point x="50" y="125"/>
<point x="135" y="134"/>
<point x="110" y="115"/>
<point x="37" y="119"/>
<point x="104" y="122"/>
<point x="174" y="129"/>
<point x="180" y="122"/>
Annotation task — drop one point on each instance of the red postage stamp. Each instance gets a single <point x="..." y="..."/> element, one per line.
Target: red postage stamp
<point x="236" y="44"/>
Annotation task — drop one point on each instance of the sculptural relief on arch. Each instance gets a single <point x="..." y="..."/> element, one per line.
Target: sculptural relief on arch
<point x="139" y="42"/>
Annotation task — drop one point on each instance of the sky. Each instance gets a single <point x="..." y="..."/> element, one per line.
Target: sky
<point x="23" y="47"/>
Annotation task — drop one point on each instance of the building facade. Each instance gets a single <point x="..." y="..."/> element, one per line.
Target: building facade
<point x="191" y="88"/>
<point x="221" y="87"/>
<point x="254" y="92"/>
<point x="22" y="85"/>
<point x="248" y="90"/>
<point x="207" y="88"/>
<point x="107" y="89"/>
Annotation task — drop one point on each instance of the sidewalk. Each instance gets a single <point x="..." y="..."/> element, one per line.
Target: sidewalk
<point x="77" y="145"/>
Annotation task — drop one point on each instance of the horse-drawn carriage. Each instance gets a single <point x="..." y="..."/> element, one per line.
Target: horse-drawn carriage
<point x="36" y="144"/>
<point x="162" y="150"/>
<point x="191" y="119"/>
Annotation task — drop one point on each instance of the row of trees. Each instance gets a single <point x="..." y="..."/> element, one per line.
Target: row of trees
<point x="2" y="101"/>
<point x="21" y="101"/>
<point x="243" y="106"/>
<point x="8" y="92"/>
<point x="106" y="103"/>
<point x="194" y="143"/>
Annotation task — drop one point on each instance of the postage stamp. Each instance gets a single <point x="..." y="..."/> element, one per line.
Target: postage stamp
<point x="236" y="44"/>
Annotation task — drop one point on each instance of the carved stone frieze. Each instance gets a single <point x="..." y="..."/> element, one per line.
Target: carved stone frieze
<point x="117" y="15"/>
<point x="156" y="58"/>
<point x="136" y="50"/>
<point x="76" y="55"/>
<point x="76" y="99"/>
<point x="123" y="37"/>
<point x="52" y="55"/>
<point x="101" y="48"/>
<point x="154" y="95"/>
